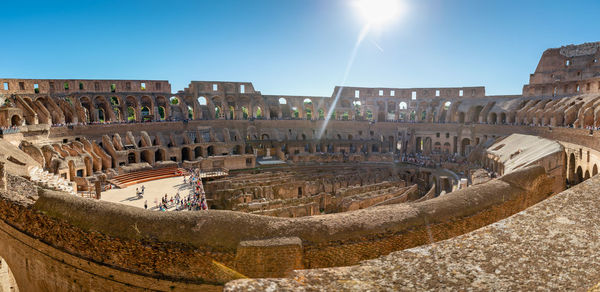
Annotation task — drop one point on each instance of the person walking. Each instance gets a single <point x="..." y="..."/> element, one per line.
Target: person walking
<point x="146" y="204"/>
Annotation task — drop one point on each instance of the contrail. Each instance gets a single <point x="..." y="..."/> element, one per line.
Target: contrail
<point x="361" y="37"/>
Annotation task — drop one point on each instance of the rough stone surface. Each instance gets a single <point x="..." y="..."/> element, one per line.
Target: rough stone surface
<point x="553" y="245"/>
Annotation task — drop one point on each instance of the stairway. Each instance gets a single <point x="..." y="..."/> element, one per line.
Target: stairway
<point x="124" y="180"/>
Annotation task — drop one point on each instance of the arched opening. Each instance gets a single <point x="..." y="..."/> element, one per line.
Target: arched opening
<point x="321" y="114"/>
<point x="190" y="113"/>
<point x="245" y="113"/>
<point x="461" y="117"/>
<point x="308" y="108"/>
<point x="258" y="113"/>
<point x="186" y="154"/>
<point x="210" y="150"/>
<point x="146" y="156"/>
<point x="15" y="120"/>
<point x="101" y="117"/>
<point x="131" y="157"/>
<point x="197" y="152"/>
<point x="403" y="105"/>
<point x="264" y="137"/>
<point x="493" y="118"/>
<point x="587" y="174"/>
<point x="174" y="100"/>
<point x="117" y="112"/>
<point x="345" y="116"/>
<point x="579" y="174"/>
<point x="282" y="100"/>
<point x="594" y="170"/>
<point x="295" y="113"/>
<point x="145" y="112"/>
<point x="503" y="118"/>
<point x="86" y="113"/>
<point x="369" y="115"/>
<point x="130" y="114"/>
<point x="571" y="170"/>
<point x="103" y="108"/>
<point x="202" y="100"/>
<point x="162" y="113"/>
<point x="476" y="113"/>
<point x="464" y="151"/>
<point x="374" y="148"/>
<point x="217" y="112"/>
<point x="231" y="113"/>
<point x="159" y="155"/>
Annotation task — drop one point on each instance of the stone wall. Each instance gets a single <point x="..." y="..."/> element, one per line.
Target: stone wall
<point x="183" y="246"/>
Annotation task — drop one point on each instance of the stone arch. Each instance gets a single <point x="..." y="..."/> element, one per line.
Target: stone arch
<point x="579" y="173"/>
<point x="571" y="169"/>
<point x="147" y="156"/>
<point x="132" y="107"/>
<point x="104" y="110"/>
<point x="258" y="113"/>
<point x="308" y="108"/>
<point x="503" y="118"/>
<point x="147" y="108"/>
<point x="587" y="175"/>
<point x="493" y="118"/>
<point x="461" y="117"/>
<point x="595" y="170"/>
<point x="16" y="120"/>
<point x="202" y="100"/>
<point x="464" y="144"/>
<point x="163" y="108"/>
<point x="476" y="111"/>
<point x="186" y="154"/>
<point x="160" y="155"/>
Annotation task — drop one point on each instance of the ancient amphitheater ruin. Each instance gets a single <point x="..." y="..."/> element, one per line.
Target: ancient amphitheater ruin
<point x="366" y="189"/>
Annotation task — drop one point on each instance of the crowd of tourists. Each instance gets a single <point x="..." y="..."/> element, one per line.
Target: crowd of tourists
<point x="195" y="200"/>
<point x="10" y="130"/>
<point x="418" y="159"/>
<point x="428" y="161"/>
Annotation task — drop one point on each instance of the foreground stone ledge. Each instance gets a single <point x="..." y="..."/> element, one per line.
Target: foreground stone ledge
<point x="553" y="245"/>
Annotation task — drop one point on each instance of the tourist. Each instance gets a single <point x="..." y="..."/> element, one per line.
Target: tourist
<point x="146" y="204"/>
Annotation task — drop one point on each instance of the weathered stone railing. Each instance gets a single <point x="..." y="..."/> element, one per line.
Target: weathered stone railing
<point x="551" y="246"/>
<point x="197" y="247"/>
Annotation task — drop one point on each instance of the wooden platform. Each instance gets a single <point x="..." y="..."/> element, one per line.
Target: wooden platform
<point x="124" y="180"/>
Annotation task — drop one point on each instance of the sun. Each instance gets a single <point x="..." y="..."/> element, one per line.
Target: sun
<point x="378" y="12"/>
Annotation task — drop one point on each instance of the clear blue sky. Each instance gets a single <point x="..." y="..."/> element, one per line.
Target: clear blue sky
<point x="291" y="47"/>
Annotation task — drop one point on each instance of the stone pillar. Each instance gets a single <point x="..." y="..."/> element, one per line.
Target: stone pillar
<point x="269" y="258"/>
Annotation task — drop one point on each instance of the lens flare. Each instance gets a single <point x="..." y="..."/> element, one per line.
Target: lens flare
<point x="378" y="12"/>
